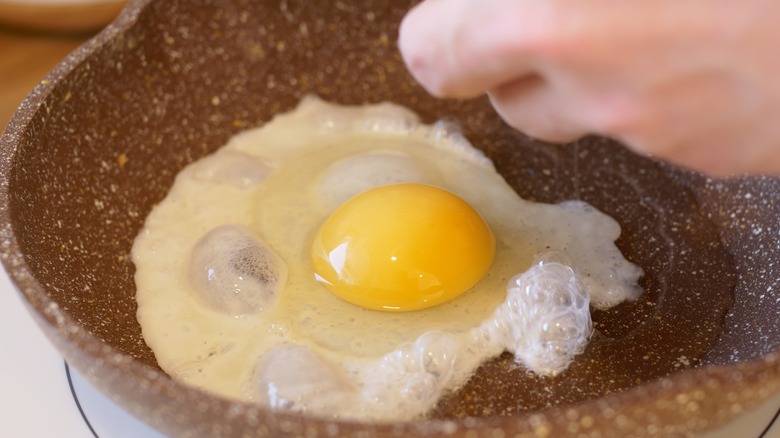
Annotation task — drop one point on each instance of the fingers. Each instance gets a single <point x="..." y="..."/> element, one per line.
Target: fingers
<point x="461" y="48"/>
<point x="655" y="75"/>
<point x="723" y="150"/>
<point x="533" y="107"/>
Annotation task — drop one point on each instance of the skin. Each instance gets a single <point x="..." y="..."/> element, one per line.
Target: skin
<point x="694" y="82"/>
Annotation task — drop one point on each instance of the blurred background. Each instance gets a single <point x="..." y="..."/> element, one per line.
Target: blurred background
<point x="35" y="35"/>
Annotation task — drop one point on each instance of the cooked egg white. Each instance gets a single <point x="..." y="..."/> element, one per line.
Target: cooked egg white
<point x="235" y="297"/>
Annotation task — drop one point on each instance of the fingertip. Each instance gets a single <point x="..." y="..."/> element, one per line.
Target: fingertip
<point x="426" y="44"/>
<point x="405" y="39"/>
<point x="418" y="52"/>
<point x="531" y="107"/>
<point x="413" y="50"/>
<point x="460" y="49"/>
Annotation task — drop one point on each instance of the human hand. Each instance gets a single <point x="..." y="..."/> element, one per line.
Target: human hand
<point x="695" y="82"/>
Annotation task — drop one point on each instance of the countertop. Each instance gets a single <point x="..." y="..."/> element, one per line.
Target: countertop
<point x="25" y="58"/>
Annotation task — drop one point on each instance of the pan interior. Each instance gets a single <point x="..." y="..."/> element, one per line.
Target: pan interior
<point x="107" y="142"/>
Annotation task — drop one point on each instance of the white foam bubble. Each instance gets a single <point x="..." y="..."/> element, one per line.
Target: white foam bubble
<point x="546" y="316"/>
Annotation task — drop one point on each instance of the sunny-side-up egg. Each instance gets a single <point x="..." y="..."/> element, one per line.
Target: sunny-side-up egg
<point x="352" y="262"/>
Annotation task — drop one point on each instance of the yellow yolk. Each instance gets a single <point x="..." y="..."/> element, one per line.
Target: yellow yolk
<point x="402" y="247"/>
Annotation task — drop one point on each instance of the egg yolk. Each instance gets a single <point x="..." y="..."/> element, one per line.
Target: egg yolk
<point x="402" y="247"/>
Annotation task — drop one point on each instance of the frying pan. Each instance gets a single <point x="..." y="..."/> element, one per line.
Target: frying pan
<point x="98" y="143"/>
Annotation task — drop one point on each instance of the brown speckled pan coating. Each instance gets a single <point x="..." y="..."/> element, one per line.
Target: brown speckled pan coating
<point x="99" y="142"/>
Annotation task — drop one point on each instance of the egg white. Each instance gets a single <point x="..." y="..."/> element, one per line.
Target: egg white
<point x="324" y="356"/>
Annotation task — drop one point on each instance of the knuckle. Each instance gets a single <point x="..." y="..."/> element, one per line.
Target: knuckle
<point x="616" y="117"/>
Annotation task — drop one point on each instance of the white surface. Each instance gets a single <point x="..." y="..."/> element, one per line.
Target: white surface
<point x="34" y="380"/>
<point x="36" y="400"/>
<point x="105" y="417"/>
<point x="35" y="397"/>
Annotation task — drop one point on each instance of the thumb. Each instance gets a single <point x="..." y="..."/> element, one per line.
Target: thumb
<point x="460" y="48"/>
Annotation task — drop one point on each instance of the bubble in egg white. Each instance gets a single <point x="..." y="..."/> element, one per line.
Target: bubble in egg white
<point x="352" y="175"/>
<point x="295" y="378"/>
<point x="235" y="168"/>
<point x="548" y="312"/>
<point x="234" y="272"/>
<point x="295" y="346"/>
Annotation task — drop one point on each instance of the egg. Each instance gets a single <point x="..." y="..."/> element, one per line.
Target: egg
<point x="353" y="262"/>
<point x="402" y="247"/>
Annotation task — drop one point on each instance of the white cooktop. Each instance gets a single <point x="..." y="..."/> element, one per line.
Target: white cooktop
<point x="41" y="397"/>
